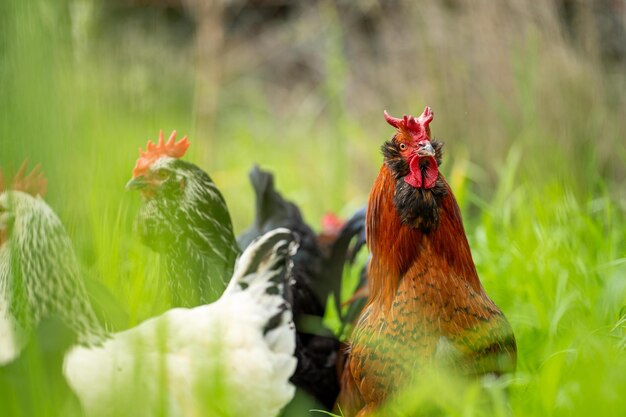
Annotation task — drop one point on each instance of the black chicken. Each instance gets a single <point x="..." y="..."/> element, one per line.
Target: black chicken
<point x="318" y="269"/>
<point x="311" y="287"/>
<point x="316" y="346"/>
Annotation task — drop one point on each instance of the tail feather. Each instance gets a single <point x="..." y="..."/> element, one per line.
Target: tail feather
<point x="272" y="210"/>
<point x="341" y="252"/>
<point x="356" y="227"/>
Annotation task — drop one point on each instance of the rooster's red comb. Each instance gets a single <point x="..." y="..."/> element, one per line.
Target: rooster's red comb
<point x="34" y="183"/>
<point x="153" y="152"/>
<point x="418" y="127"/>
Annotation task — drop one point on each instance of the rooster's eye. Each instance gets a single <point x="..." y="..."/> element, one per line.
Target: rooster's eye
<point x="402" y="146"/>
<point x="162" y="174"/>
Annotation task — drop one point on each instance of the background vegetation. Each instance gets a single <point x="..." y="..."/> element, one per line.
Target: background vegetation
<point x="530" y="98"/>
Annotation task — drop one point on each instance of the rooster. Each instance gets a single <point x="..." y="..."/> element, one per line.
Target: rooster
<point x="185" y="218"/>
<point x="318" y="266"/>
<point x="164" y="365"/>
<point x="426" y="305"/>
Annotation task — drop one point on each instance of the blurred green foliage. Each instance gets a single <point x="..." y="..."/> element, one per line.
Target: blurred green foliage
<point x="535" y="154"/>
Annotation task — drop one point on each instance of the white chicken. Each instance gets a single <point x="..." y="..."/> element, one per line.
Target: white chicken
<point x="232" y="357"/>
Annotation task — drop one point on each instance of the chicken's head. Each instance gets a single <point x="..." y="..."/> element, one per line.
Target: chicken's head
<point x="416" y="155"/>
<point x="33" y="184"/>
<point x="414" y="158"/>
<point x="179" y="198"/>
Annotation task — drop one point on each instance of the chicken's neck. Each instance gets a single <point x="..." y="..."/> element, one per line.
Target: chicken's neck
<point x="198" y="275"/>
<point x="200" y="262"/>
<point x="41" y="275"/>
<point x="397" y="247"/>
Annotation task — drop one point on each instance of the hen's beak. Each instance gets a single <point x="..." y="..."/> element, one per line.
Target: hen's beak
<point x="136" y="183"/>
<point x="426" y="149"/>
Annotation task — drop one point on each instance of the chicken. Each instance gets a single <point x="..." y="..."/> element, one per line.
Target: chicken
<point x="316" y="346"/>
<point x="184" y="217"/>
<point x="426" y="305"/>
<point x="318" y="267"/>
<point x="39" y="273"/>
<point x="165" y="365"/>
<point x="242" y="345"/>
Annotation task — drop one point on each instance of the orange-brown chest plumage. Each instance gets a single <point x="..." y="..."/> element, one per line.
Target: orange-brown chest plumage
<point x="426" y="304"/>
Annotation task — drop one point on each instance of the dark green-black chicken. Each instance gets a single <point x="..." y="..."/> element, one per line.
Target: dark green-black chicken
<point x="185" y="218"/>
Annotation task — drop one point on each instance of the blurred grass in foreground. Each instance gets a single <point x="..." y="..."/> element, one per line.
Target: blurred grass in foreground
<point x="535" y="154"/>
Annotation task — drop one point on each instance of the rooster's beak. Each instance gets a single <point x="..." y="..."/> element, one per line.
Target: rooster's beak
<point x="426" y="149"/>
<point x="136" y="183"/>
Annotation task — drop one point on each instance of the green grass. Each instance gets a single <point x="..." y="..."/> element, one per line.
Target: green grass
<point x="534" y="154"/>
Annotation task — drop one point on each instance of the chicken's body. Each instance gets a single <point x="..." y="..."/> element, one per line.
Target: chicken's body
<point x="167" y="364"/>
<point x="427" y="306"/>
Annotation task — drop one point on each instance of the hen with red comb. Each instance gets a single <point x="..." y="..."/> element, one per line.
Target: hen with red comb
<point x="184" y="217"/>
